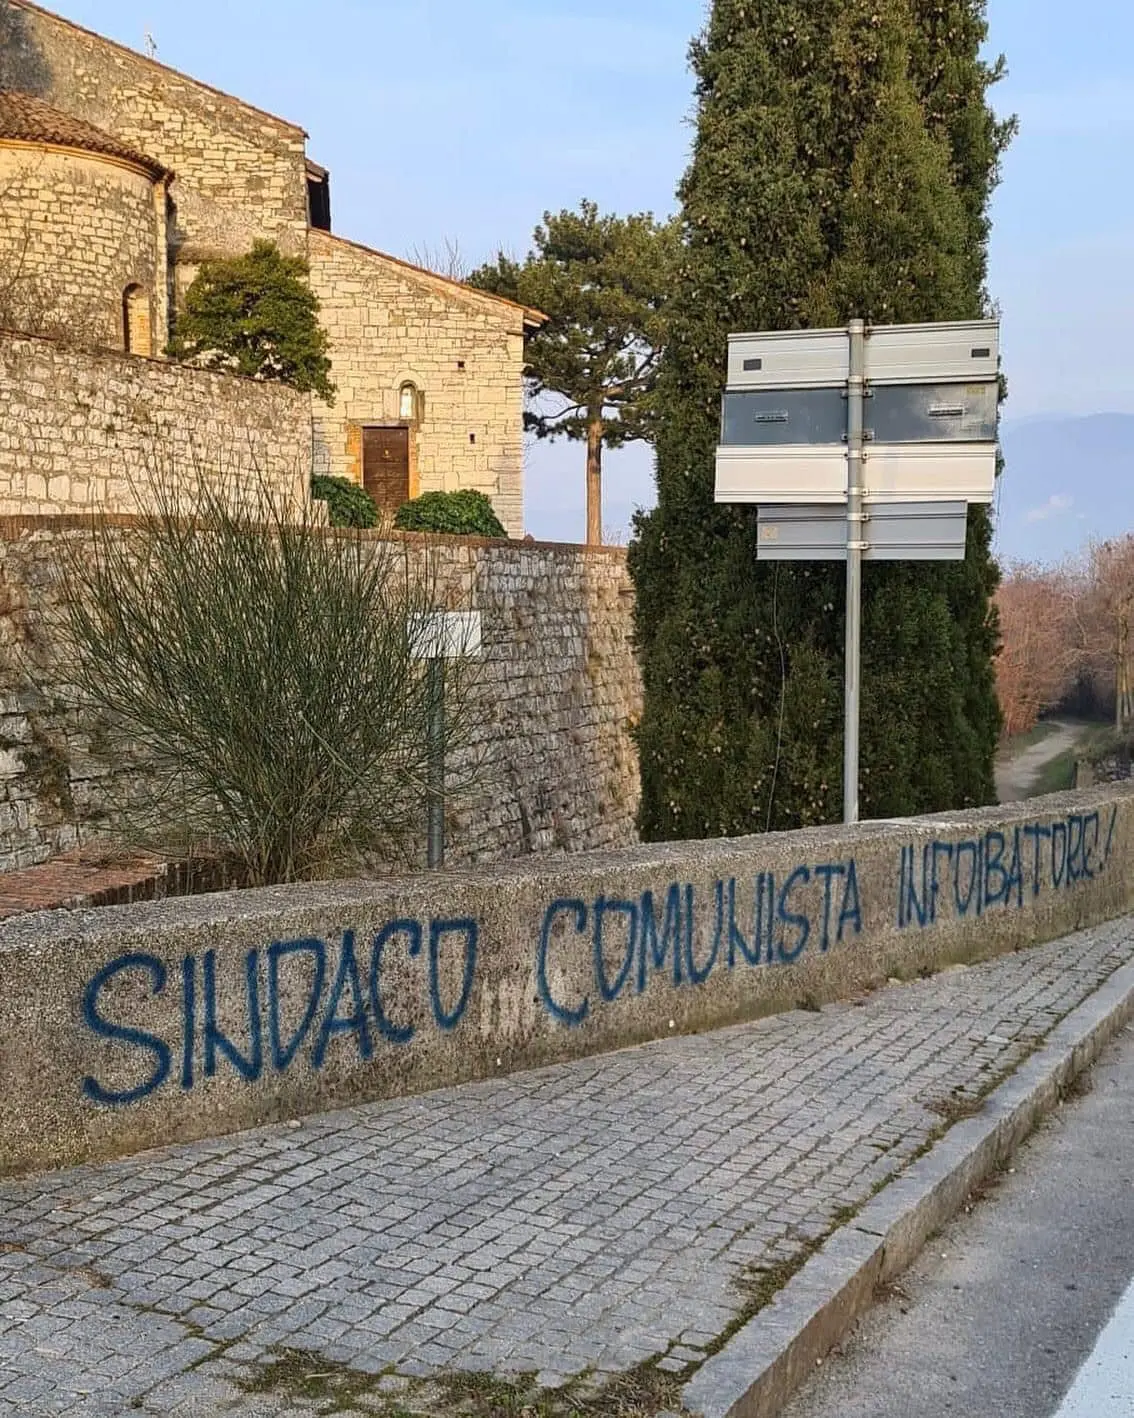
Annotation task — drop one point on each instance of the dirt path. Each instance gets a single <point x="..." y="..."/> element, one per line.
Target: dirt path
<point x="1016" y="773"/>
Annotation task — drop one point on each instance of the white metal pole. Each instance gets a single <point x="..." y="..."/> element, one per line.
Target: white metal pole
<point x="856" y="395"/>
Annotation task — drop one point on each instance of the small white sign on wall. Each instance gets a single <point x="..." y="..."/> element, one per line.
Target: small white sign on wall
<point x="445" y="635"/>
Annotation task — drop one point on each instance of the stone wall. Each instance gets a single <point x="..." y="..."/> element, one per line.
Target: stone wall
<point x="391" y="323"/>
<point x="77" y="230"/>
<point x="240" y="173"/>
<point x="558" y="689"/>
<point x="150" y="1024"/>
<point x="561" y="691"/>
<point x="84" y="431"/>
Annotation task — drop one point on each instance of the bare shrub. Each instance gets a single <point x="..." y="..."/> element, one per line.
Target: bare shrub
<point x="1036" y="664"/>
<point x="267" y="669"/>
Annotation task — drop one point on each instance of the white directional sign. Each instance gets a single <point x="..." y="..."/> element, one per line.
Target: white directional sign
<point x="445" y="635"/>
<point x="863" y="444"/>
<point x="792" y="474"/>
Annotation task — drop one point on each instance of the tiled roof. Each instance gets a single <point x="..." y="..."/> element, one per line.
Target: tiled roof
<point x="30" y="120"/>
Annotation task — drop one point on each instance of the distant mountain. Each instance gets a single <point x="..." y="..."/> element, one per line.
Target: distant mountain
<point x="1065" y="481"/>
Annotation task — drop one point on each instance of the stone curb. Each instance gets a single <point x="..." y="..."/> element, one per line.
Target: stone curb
<point x="760" y="1368"/>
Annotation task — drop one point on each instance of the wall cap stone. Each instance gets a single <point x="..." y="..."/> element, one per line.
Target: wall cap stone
<point x="261" y="903"/>
<point x="128" y="359"/>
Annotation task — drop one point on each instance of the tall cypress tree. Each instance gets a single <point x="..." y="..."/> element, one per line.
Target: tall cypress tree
<point x="842" y="166"/>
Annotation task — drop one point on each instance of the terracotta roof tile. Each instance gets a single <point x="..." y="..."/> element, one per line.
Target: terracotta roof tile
<point x="30" y="120"/>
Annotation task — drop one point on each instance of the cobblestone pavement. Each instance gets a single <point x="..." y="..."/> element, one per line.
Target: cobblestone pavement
<point x="582" y="1217"/>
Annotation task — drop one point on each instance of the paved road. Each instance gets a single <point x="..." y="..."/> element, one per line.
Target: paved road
<point x="1016" y="772"/>
<point x="587" y="1216"/>
<point x="1002" y="1310"/>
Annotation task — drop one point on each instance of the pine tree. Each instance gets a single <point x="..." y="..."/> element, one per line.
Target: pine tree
<point x="842" y="166"/>
<point x="602" y="281"/>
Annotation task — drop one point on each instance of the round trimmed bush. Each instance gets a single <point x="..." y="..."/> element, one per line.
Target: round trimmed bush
<point x="462" y="514"/>
<point x="349" y="504"/>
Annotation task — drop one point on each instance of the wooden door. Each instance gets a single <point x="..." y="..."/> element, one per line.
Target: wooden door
<point x="385" y="466"/>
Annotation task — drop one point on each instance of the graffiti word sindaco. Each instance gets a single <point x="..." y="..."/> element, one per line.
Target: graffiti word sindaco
<point x="764" y="922"/>
<point x="340" y="993"/>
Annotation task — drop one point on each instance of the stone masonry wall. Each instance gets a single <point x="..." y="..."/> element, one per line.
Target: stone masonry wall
<point x="240" y="173"/>
<point x="559" y="690"/>
<point x="84" y="431"/>
<point x="76" y="231"/>
<point x="391" y="323"/>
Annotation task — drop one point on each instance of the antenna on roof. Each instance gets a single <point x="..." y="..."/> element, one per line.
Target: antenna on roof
<point x="151" y="44"/>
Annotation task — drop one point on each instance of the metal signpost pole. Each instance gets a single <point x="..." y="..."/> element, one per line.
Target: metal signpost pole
<point x="435" y="693"/>
<point x="856" y="544"/>
<point x="437" y="636"/>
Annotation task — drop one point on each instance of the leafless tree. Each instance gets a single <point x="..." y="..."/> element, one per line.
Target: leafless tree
<point x="445" y="260"/>
<point x="1064" y="626"/>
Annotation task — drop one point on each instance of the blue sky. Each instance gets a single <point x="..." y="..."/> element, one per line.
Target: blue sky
<point x="444" y="119"/>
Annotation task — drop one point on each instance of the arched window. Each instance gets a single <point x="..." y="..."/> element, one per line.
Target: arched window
<point x="411" y="403"/>
<point x="137" y="336"/>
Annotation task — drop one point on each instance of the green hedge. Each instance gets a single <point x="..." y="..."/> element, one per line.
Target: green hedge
<point x="467" y="514"/>
<point x="348" y="504"/>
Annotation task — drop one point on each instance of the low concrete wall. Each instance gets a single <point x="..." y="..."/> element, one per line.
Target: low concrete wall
<point x="147" y="1024"/>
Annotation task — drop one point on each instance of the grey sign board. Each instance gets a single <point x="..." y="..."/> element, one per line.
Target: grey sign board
<point x="757" y="418"/>
<point x="932" y="413"/>
<point x="895" y="413"/>
<point x="914" y="354"/>
<point x="893" y="531"/>
<point x="788" y="359"/>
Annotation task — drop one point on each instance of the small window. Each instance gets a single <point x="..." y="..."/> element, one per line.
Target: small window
<point x="318" y="197"/>
<point x="137" y="334"/>
<point x="411" y="403"/>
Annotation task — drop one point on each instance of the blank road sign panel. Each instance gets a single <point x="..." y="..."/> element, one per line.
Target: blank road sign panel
<point x="925" y="531"/>
<point x="916" y="531"/>
<point x="930" y="472"/>
<point x="807" y="533"/>
<point x="781" y="475"/>
<point x="755" y="417"/>
<point x="919" y="354"/>
<point x="932" y="413"/>
<point x="791" y="359"/>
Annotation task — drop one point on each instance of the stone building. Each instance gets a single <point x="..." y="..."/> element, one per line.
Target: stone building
<point x="120" y="176"/>
<point x="84" y="214"/>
